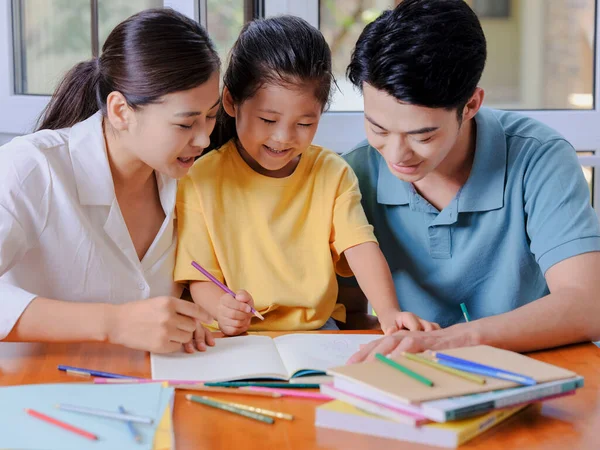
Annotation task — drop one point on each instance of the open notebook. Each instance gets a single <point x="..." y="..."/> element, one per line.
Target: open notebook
<point x="253" y="357"/>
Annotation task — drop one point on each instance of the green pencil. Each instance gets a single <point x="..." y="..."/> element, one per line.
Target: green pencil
<point x="227" y="407"/>
<point x="404" y="370"/>
<point x="465" y="312"/>
<point x="458" y="373"/>
<point x="273" y="384"/>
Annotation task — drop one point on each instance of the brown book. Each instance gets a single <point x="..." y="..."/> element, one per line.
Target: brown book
<point x="378" y="379"/>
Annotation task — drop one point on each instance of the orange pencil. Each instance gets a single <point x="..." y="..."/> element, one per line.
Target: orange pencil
<point x="61" y="424"/>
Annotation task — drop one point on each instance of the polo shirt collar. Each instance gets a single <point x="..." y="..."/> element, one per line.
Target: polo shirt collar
<point x="391" y="190"/>
<point x="484" y="189"/>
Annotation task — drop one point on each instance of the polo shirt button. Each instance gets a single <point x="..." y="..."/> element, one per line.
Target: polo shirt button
<point x="142" y="285"/>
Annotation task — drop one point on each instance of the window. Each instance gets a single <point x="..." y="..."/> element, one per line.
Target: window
<point x="540" y="54"/>
<point x="50" y="36"/>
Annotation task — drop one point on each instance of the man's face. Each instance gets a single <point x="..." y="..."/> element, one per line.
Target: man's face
<point x="413" y="140"/>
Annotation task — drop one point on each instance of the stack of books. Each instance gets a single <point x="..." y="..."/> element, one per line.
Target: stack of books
<point x="442" y="399"/>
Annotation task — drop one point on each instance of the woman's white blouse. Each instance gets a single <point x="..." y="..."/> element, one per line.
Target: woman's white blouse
<point x="62" y="235"/>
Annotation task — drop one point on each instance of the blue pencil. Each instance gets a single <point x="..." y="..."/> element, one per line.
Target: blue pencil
<point x="94" y="373"/>
<point x="136" y="435"/>
<point x="481" y="369"/>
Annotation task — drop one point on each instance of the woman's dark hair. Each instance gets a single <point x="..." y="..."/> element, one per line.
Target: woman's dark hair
<point x="283" y="50"/>
<point x="424" y="52"/>
<point x="149" y="55"/>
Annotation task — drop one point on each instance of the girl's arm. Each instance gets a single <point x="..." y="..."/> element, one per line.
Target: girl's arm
<point x="375" y="279"/>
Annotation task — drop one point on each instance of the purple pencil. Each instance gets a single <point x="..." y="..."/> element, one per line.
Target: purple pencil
<point x="207" y="274"/>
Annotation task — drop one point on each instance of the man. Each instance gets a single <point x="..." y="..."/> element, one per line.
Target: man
<point x="470" y="205"/>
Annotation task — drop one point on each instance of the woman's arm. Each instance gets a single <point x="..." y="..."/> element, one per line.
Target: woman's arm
<point x="159" y="324"/>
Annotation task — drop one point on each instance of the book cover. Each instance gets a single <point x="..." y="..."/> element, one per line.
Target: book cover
<point x="343" y="416"/>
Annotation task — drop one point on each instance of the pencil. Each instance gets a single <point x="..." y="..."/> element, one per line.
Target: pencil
<point x="144" y="381"/>
<point x="404" y="370"/>
<point x="265" y="412"/>
<point x="208" y="275"/>
<point x="274" y="384"/>
<point x="224" y="390"/>
<point x="463" y="307"/>
<point x="95" y="373"/>
<point x="78" y="373"/>
<point x="136" y="435"/>
<point x="104" y="413"/>
<point x="482" y="369"/>
<point x="437" y="365"/>
<point x="61" y="424"/>
<point x="225" y="407"/>
<point x="289" y="392"/>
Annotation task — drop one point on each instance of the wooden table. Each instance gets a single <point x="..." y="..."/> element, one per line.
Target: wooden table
<point x="570" y="423"/>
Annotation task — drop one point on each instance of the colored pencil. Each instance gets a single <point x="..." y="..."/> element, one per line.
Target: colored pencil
<point x="208" y="275"/>
<point x="463" y="307"/>
<point x="274" y="384"/>
<point x="78" y="373"/>
<point x="94" y="373"/>
<point x="144" y="381"/>
<point x="225" y="407"/>
<point x="104" y="413"/>
<point x="265" y="412"/>
<point x="134" y="433"/>
<point x="437" y="365"/>
<point x="289" y="392"/>
<point x="61" y="424"/>
<point x="482" y="369"/>
<point x="224" y="390"/>
<point x="404" y="370"/>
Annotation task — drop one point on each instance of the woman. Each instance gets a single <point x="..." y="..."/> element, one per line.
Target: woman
<point x="87" y="236"/>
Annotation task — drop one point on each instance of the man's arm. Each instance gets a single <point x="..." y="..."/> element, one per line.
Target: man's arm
<point x="569" y="314"/>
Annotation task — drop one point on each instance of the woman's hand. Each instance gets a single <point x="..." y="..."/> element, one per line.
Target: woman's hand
<point x="158" y="325"/>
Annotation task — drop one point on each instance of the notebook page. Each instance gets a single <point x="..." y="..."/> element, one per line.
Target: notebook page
<point x="302" y="351"/>
<point x="232" y="358"/>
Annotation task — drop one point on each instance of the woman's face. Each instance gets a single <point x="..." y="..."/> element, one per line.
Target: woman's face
<point x="169" y="135"/>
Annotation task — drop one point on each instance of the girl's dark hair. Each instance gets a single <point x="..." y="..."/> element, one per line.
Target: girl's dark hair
<point x="149" y="55"/>
<point x="424" y="52"/>
<point x="282" y="50"/>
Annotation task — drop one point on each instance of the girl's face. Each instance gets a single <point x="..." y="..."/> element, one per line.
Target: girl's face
<point x="275" y="126"/>
<point x="167" y="136"/>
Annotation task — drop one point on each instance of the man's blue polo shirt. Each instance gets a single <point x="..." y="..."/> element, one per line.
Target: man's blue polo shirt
<point x="524" y="208"/>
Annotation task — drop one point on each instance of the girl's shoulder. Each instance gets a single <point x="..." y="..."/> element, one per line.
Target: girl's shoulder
<point x="214" y="158"/>
<point x="325" y="160"/>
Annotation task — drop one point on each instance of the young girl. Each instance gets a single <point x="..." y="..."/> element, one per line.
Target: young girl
<point x="269" y="212"/>
<point x="87" y="239"/>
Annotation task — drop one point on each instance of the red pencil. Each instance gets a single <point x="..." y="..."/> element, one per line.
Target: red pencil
<point x="61" y="424"/>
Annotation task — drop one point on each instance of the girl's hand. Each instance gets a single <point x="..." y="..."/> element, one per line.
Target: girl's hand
<point x="402" y="320"/>
<point x="202" y="338"/>
<point x="234" y="314"/>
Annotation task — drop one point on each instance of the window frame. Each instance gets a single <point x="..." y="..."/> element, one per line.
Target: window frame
<point x="578" y="126"/>
<point x="24" y="109"/>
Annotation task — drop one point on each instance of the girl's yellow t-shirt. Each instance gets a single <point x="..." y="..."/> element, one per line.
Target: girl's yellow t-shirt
<point x="280" y="239"/>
